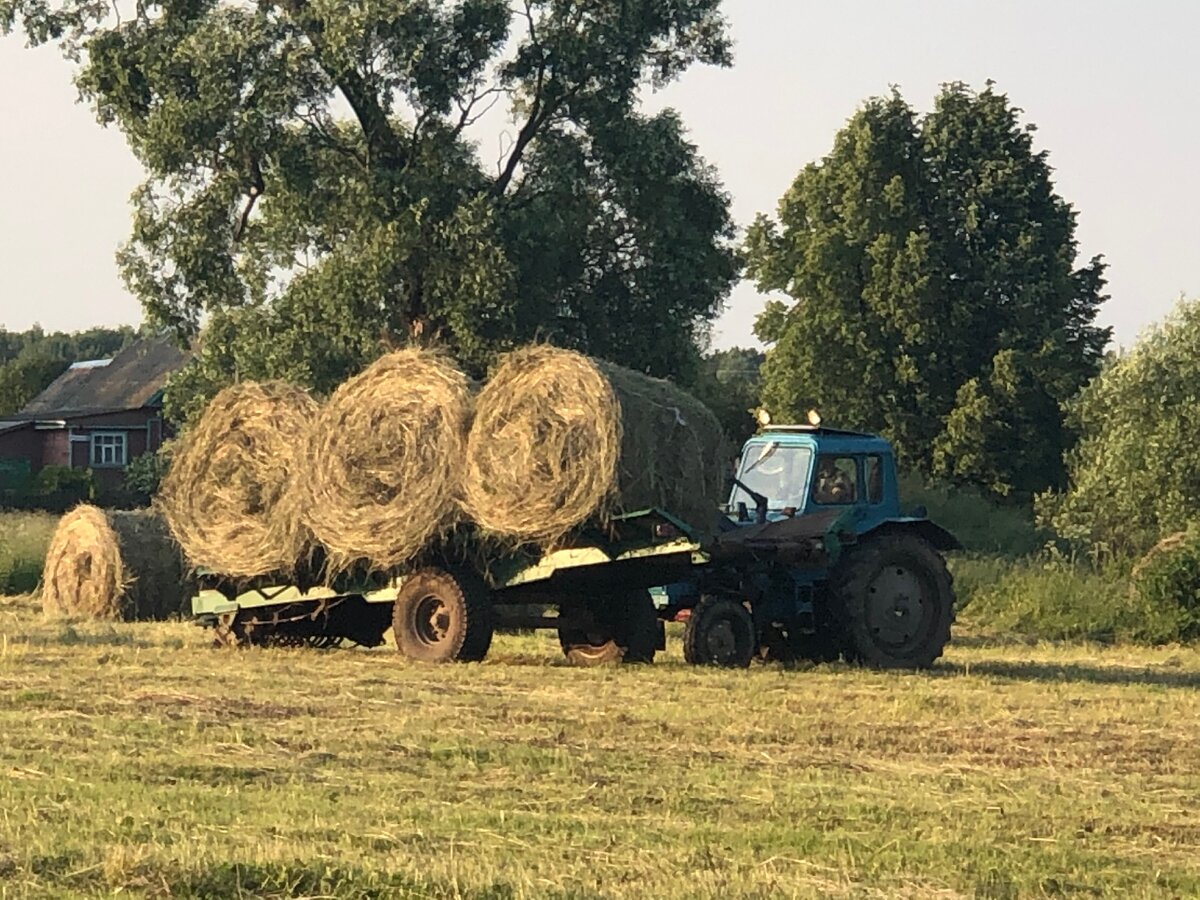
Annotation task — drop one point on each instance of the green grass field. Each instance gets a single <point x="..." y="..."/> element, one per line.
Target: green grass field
<point x="24" y="537"/>
<point x="137" y="760"/>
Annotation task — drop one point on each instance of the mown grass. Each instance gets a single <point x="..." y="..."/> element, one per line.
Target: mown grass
<point x="135" y="759"/>
<point x="24" y="537"/>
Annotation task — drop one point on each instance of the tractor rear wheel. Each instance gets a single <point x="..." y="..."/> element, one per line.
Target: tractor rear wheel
<point x="719" y="632"/>
<point x="894" y="598"/>
<point x="443" y="615"/>
<point x="620" y="627"/>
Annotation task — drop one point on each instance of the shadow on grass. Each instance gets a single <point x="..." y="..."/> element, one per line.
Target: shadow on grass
<point x="292" y="879"/>
<point x="1072" y="672"/>
<point x="66" y="635"/>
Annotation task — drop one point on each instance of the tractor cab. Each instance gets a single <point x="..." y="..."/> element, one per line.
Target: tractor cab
<point x="787" y="471"/>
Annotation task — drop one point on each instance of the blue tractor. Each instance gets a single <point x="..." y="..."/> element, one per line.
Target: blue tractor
<point x="816" y="560"/>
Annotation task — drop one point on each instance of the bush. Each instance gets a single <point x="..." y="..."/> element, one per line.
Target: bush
<point x="1168" y="578"/>
<point x="24" y="537"/>
<point x="144" y="474"/>
<point x="981" y="524"/>
<point x="1059" y="599"/>
<point x="1135" y="473"/>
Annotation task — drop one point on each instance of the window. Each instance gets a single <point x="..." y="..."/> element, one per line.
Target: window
<point x="108" y="448"/>
<point x="777" y="472"/>
<point x="836" y="482"/>
<point x="874" y="479"/>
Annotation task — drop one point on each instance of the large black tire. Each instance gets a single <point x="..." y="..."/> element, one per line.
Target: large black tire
<point x="620" y="627"/>
<point x="894" y="598"/>
<point x="443" y="616"/>
<point x="719" y="632"/>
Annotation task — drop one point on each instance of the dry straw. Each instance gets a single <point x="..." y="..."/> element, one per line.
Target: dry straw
<point x="559" y="440"/>
<point x="385" y="460"/>
<point x="113" y="565"/>
<point x="229" y="496"/>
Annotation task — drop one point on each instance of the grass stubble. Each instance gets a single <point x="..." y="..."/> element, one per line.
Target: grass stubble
<point x="135" y="759"/>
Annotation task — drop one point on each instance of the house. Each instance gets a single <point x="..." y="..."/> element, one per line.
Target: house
<point x="100" y="414"/>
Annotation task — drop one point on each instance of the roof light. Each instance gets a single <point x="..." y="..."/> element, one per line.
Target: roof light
<point x="762" y="417"/>
<point x="814" y="418"/>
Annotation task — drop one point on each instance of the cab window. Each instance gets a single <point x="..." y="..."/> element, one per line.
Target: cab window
<point x="778" y="472"/>
<point x="836" y="480"/>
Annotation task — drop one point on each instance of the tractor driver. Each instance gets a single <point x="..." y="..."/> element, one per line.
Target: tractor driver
<point x="832" y="485"/>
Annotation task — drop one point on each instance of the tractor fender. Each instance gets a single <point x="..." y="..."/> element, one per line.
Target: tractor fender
<point x="927" y="529"/>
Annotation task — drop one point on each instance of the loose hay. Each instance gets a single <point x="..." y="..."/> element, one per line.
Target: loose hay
<point x="559" y="439"/>
<point x="385" y="457"/>
<point x="113" y="565"/>
<point x="229" y="497"/>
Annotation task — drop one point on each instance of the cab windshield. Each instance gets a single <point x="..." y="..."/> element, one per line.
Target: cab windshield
<point x="777" y="472"/>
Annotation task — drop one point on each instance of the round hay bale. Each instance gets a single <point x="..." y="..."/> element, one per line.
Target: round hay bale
<point x="113" y="565"/>
<point x="229" y="496"/>
<point x="384" y="460"/>
<point x="559" y="439"/>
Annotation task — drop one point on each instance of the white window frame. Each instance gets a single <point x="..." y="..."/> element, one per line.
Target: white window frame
<point x="119" y="443"/>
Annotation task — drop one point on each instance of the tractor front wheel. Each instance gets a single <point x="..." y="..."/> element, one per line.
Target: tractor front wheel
<point x="720" y="632"/>
<point x="443" y="616"/>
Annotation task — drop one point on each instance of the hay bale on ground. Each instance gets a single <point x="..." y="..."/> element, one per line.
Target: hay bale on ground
<point x="559" y="439"/>
<point x="113" y="565"/>
<point x="229" y="495"/>
<point x="384" y="460"/>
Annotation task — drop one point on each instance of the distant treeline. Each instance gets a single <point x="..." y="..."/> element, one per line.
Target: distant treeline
<point x="30" y="360"/>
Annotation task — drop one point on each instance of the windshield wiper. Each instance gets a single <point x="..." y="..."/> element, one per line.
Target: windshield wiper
<point x="770" y="451"/>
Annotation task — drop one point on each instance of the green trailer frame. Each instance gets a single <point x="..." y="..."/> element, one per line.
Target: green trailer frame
<point x="585" y="582"/>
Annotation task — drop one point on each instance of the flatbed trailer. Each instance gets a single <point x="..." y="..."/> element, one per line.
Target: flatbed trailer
<point x="447" y="605"/>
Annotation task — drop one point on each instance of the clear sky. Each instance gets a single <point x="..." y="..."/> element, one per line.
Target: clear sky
<point x="1113" y="88"/>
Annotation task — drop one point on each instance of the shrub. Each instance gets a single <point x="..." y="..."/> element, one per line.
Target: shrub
<point x="1168" y="578"/>
<point x="980" y="523"/>
<point x="144" y="474"/>
<point x="1059" y="599"/>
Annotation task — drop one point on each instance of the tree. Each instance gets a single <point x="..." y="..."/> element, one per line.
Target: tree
<point x="1135" y="473"/>
<point x="311" y="173"/>
<point x="935" y="299"/>
<point x="729" y="385"/>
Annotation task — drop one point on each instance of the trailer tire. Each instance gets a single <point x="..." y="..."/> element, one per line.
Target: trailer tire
<point x="443" y="615"/>
<point x="894" y="598"/>
<point x="720" y="632"/>
<point x="623" y="627"/>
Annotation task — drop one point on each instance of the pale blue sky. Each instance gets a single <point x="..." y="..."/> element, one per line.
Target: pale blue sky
<point x="1113" y="87"/>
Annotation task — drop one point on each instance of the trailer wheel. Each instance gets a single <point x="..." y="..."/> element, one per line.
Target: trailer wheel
<point x="443" y="616"/>
<point x="611" y="628"/>
<point x="895" y="599"/>
<point x="719" y="632"/>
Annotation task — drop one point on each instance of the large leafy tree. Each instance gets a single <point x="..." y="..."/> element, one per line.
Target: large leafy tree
<point x="934" y="291"/>
<point x="314" y="192"/>
<point x="1135" y="472"/>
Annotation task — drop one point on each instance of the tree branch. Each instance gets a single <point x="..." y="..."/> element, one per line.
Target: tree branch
<point x="384" y="146"/>
<point x="532" y="125"/>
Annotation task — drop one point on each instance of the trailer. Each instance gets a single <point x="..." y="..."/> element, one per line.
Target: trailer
<point x="446" y="606"/>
